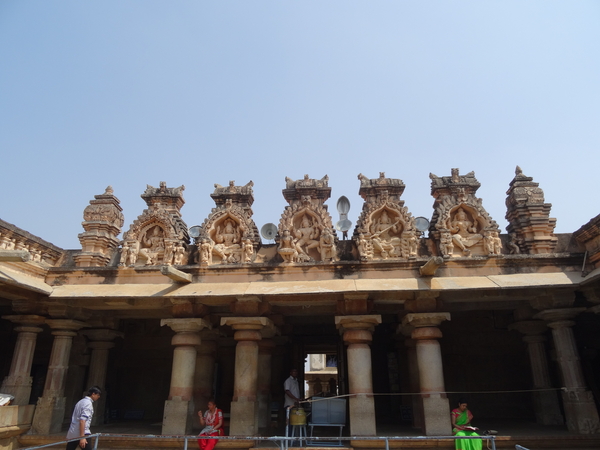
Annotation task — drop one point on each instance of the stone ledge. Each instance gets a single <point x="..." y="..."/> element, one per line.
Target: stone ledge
<point x="137" y="442"/>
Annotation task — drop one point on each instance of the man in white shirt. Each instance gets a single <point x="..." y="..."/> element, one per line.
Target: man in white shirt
<point x="82" y="418"/>
<point x="291" y="388"/>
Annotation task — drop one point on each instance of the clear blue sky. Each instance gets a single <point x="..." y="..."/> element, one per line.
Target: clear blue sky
<point x="129" y="93"/>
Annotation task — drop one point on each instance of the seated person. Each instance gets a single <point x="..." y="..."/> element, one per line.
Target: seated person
<point x="461" y="426"/>
<point x="212" y="421"/>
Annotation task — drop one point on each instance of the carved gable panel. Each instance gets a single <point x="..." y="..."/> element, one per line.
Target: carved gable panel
<point x="385" y="229"/>
<point x="460" y="224"/>
<point x="229" y="234"/>
<point x="159" y="235"/>
<point x="305" y="228"/>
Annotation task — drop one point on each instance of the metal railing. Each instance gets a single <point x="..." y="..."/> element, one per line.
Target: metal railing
<point x="281" y="441"/>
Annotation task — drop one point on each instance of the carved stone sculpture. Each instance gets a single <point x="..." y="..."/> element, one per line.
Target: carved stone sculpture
<point x="103" y="220"/>
<point x="528" y="216"/>
<point x="460" y="224"/>
<point x="385" y="229"/>
<point x="229" y="235"/>
<point x="159" y="235"/>
<point x="303" y="224"/>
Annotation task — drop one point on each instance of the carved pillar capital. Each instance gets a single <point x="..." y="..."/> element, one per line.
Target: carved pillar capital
<point x="420" y="320"/>
<point x="559" y="318"/>
<point x="27" y="320"/>
<point x="102" y="334"/>
<point x="357" y="329"/>
<point x="192" y="325"/>
<point x="247" y="328"/>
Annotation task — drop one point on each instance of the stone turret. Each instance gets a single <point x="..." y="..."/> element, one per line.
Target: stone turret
<point x="530" y="225"/>
<point x="102" y="223"/>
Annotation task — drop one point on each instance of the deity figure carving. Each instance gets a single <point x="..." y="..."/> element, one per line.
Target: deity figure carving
<point x="305" y="220"/>
<point x="327" y="244"/>
<point x="513" y="244"/>
<point x="460" y="222"/>
<point x="205" y="252"/>
<point x="365" y="247"/>
<point x="492" y="243"/>
<point x="247" y="250"/>
<point x="382" y="233"/>
<point x="228" y="242"/>
<point x="124" y="255"/>
<point x="169" y="253"/>
<point x="179" y="253"/>
<point x="132" y="256"/>
<point x="287" y="247"/>
<point x="446" y="245"/>
<point x="307" y="237"/>
<point x="153" y="246"/>
<point x="385" y="229"/>
<point x="464" y="231"/>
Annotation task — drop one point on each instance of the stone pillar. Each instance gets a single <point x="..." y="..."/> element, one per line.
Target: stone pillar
<point x="547" y="408"/>
<point x="265" y="350"/>
<point x="50" y="408"/>
<point x="578" y="401"/>
<point x="244" y="406"/>
<point x="436" y="410"/>
<point x="413" y="375"/>
<point x="179" y="407"/>
<point x="18" y="381"/>
<point x="357" y="335"/>
<point x="204" y="374"/>
<point x="101" y="341"/>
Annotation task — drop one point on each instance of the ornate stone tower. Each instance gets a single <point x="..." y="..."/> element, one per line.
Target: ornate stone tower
<point x="460" y="224"/>
<point x="305" y="228"/>
<point x="530" y="225"/>
<point x="385" y="229"/>
<point x="158" y="235"/>
<point x="102" y="223"/>
<point x="229" y="235"/>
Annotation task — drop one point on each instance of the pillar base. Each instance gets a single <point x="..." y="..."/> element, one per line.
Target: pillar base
<point x="245" y="413"/>
<point x="19" y="387"/>
<point x="362" y="424"/>
<point x="436" y="416"/>
<point x="49" y="414"/>
<point x="177" y="418"/>
<point x="547" y="409"/>
<point x="580" y="409"/>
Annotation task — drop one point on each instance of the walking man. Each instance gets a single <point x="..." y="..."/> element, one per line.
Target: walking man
<point x="82" y="418"/>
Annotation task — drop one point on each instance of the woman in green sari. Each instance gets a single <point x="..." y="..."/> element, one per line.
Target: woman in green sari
<point x="461" y="426"/>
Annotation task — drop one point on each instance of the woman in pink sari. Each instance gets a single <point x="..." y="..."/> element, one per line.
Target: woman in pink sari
<point x="212" y="421"/>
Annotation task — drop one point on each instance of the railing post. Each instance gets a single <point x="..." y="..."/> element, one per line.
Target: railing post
<point x="96" y="439"/>
<point x="387" y="444"/>
<point x="185" y="443"/>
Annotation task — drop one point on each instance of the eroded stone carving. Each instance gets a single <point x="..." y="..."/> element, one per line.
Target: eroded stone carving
<point x="528" y="216"/>
<point x="158" y="235"/>
<point x="460" y="223"/>
<point x="385" y="229"/>
<point x="102" y="223"/>
<point x="229" y="235"/>
<point x="305" y="228"/>
<point x="14" y="238"/>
